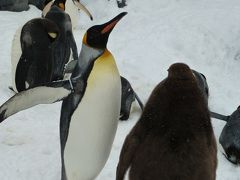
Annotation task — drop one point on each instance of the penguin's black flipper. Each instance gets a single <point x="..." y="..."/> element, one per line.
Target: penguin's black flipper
<point x="219" y="116"/>
<point x="48" y="94"/>
<point x="128" y="96"/>
<point x="129" y="148"/>
<point x="139" y="101"/>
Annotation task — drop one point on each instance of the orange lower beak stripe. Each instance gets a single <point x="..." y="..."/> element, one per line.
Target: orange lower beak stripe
<point x="109" y="27"/>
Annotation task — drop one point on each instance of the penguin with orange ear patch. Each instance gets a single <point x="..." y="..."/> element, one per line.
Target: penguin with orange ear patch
<point x="90" y="109"/>
<point x="173" y="138"/>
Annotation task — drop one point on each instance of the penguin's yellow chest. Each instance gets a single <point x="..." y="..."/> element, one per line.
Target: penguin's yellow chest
<point x="94" y="122"/>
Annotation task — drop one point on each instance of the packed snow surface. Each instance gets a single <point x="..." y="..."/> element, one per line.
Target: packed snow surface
<point x="204" y="34"/>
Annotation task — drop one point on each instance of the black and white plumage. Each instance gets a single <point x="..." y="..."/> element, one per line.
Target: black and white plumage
<point x="32" y="53"/>
<point x="90" y="108"/>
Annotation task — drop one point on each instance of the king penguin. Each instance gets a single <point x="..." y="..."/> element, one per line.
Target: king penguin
<point x="174" y="138"/>
<point x="90" y="108"/>
<point x="87" y="149"/>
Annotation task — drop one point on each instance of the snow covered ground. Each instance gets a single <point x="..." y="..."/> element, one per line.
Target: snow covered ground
<point x="204" y="34"/>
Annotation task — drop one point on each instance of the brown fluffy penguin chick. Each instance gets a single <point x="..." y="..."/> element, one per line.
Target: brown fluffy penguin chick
<point x="173" y="139"/>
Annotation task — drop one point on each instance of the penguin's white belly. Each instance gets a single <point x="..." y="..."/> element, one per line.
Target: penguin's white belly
<point x="15" y="55"/>
<point x="93" y="127"/>
<point x="72" y="10"/>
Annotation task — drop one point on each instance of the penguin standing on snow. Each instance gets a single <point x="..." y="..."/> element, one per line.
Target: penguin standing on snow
<point x="66" y="42"/>
<point x="128" y="97"/>
<point x="230" y="135"/>
<point x="35" y="65"/>
<point x="173" y="138"/>
<point x="90" y="108"/>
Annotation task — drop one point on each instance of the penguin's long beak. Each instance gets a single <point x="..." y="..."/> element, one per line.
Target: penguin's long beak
<point x="108" y="27"/>
<point x="82" y="7"/>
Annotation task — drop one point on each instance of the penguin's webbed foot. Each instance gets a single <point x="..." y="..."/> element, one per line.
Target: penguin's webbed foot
<point x="124" y="115"/>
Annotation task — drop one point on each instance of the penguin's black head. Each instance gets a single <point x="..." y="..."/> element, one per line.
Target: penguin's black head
<point x="60" y="4"/>
<point x="97" y="36"/>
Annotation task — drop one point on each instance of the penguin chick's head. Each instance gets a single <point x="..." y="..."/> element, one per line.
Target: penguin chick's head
<point x="97" y="36"/>
<point x="60" y="4"/>
<point x="180" y="71"/>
